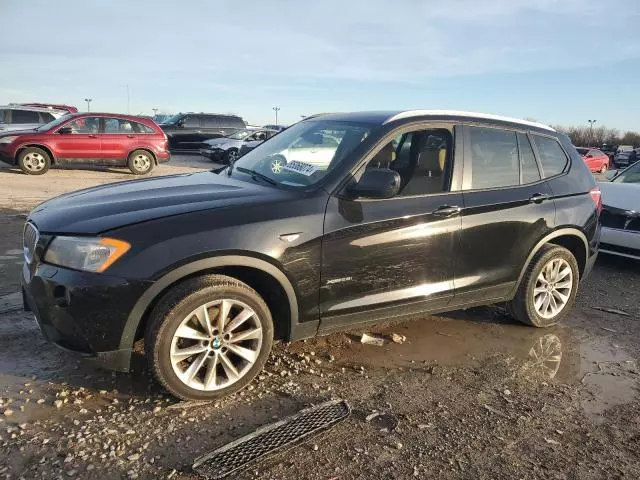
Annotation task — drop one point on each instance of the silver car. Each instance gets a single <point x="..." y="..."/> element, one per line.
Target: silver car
<point x="620" y="216"/>
<point x="20" y="117"/>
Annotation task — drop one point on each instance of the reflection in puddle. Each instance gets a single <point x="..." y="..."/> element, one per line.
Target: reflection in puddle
<point x="545" y="356"/>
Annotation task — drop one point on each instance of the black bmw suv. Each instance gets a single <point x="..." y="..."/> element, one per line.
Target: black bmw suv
<point x="340" y="220"/>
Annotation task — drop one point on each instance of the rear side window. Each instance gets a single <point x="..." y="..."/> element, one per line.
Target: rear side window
<point x="142" y="128"/>
<point x="25" y="116"/>
<point x="494" y="158"/>
<point x="3" y="116"/>
<point x="212" y="122"/>
<point x="552" y="156"/>
<point x="530" y="172"/>
<point x="191" y="121"/>
<point x="46" y="117"/>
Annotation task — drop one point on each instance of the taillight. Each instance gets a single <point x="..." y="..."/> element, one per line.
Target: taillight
<point x="596" y="196"/>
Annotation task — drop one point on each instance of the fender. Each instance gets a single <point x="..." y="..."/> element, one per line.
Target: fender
<point x="544" y="240"/>
<point x="139" y="309"/>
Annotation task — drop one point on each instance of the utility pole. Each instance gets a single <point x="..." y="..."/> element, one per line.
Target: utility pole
<point x="591" y="123"/>
<point x="276" y="109"/>
<point x="88" y="100"/>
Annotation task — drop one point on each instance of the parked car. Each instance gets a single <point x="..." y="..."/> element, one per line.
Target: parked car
<point x="96" y="138"/>
<point x="626" y="157"/>
<point x="53" y="106"/>
<point x="187" y="131"/>
<point x="226" y="149"/>
<point x="161" y="117"/>
<point x="17" y="117"/>
<point x="621" y="214"/>
<point x="248" y="146"/>
<point x="277" y="128"/>
<point x="596" y="160"/>
<point x="610" y="150"/>
<point x="208" y="269"/>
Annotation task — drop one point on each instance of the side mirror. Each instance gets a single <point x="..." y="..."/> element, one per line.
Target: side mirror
<point x="65" y="130"/>
<point x="376" y="183"/>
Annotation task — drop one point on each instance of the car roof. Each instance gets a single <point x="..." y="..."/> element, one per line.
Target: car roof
<point x="31" y="109"/>
<point x="385" y="117"/>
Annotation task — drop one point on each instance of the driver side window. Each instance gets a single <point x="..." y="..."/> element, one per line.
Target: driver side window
<point x="423" y="158"/>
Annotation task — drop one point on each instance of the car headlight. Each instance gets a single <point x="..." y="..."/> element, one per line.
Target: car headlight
<point x="81" y="253"/>
<point x="8" y="139"/>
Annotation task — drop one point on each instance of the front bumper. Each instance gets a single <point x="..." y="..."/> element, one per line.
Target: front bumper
<point x="213" y="154"/>
<point x="82" y="312"/>
<point x="625" y="243"/>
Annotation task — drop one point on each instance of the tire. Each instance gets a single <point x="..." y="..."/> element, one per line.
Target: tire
<point x="603" y="169"/>
<point x="34" y="161"/>
<point x="180" y="310"/>
<point x="140" y="162"/>
<point x="523" y="306"/>
<point x="230" y="156"/>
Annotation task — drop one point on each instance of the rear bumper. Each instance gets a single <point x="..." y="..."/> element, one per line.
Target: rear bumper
<point x="163" y="157"/>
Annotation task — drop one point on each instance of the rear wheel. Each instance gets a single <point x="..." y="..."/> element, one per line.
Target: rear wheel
<point x="603" y="169"/>
<point x="208" y="337"/>
<point x="548" y="289"/>
<point x="140" y="162"/>
<point x="34" y="161"/>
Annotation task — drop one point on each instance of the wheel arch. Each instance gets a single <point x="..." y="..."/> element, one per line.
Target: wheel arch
<point x="259" y="274"/>
<point x="570" y="238"/>
<point x="35" y="145"/>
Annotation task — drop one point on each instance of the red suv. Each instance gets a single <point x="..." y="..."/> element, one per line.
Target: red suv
<point x="95" y="138"/>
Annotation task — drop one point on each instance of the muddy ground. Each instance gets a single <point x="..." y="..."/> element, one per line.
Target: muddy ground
<point x="470" y="394"/>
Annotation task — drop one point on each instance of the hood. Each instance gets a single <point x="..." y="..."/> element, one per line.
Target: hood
<point x="98" y="209"/>
<point x="8" y="132"/>
<point x="220" y="142"/>
<point x="621" y="195"/>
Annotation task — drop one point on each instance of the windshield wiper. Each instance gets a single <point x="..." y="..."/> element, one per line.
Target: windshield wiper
<point x="255" y="175"/>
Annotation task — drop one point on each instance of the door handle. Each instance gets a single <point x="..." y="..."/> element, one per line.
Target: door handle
<point x="130" y="136"/>
<point x="446" y="211"/>
<point x="92" y="136"/>
<point x="538" y="197"/>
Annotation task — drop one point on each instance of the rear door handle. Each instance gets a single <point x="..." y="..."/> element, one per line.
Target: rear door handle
<point x="538" y="197"/>
<point x="130" y="136"/>
<point x="92" y="136"/>
<point x="447" y="211"/>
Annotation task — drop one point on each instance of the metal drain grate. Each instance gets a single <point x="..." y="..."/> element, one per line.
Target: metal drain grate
<point x="271" y="438"/>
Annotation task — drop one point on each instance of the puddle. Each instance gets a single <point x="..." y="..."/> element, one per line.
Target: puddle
<point x="609" y="375"/>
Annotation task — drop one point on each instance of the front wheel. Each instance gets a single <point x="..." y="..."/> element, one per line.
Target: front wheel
<point x="231" y="156"/>
<point x="140" y="162"/>
<point x="34" y="161"/>
<point x="208" y="337"/>
<point x="603" y="169"/>
<point x="548" y="289"/>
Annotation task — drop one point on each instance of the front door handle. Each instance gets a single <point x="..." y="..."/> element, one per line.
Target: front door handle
<point x="130" y="136"/>
<point x="447" y="211"/>
<point x="538" y="197"/>
<point x="92" y="136"/>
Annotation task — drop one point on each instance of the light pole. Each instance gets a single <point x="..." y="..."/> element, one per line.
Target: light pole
<point x="155" y="112"/>
<point x="591" y="123"/>
<point x="276" y="109"/>
<point x="128" y="100"/>
<point x="88" y="100"/>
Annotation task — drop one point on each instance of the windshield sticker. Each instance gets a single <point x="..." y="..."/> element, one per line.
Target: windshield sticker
<point x="302" y="168"/>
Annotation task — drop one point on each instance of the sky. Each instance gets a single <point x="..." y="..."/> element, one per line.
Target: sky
<point x="559" y="62"/>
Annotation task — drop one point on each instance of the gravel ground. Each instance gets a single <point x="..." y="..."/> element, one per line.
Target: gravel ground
<point x="466" y="396"/>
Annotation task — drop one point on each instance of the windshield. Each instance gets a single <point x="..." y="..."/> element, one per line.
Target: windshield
<point x="630" y="175"/>
<point x="173" y="119"/>
<point x="582" y="151"/>
<point x="239" y="135"/>
<point x="303" y="154"/>
<point x="53" y="123"/>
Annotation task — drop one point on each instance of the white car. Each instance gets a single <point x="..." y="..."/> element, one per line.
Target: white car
<point x="317" y="151"/>
<point x="22" y="117"/>
<point x="620" y="217"/>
